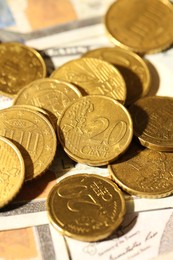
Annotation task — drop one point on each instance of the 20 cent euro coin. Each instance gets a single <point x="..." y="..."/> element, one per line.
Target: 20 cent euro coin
<point x="95" y="130"/>
<point x="86" y="207"/>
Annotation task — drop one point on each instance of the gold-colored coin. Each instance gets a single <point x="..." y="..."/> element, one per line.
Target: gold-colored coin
<point x="144" y="172"/>
<point x="34" y="136"/>
<point x="152" y="121"/>
<point x="86" y="207"/>
<point x="40" y="110"/>
<point x="12" y="171"/>
<point x="19" y="65"/>
<point x="93" y="76"/>
<point x="131" y="66"/>
<point x="140" y="26"/>
<point x="95" y="130"/>
<point x="50" y="94"/>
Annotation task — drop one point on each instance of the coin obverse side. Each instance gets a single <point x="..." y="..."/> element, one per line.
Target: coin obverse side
<point x="95" y="130"/>
<point x="144" y="172"/>
<point x="131" y="66"/>
<point x="86" y="207"/>
<point x="12" y="171"/>
<point x="49" y="94"/>
<point x="40" y="110"/>
<point x="140" y="26"/>
<point x="20" y="65"/>
<point x="33" y="134"/>
<point x="93" y="76"/>
<point x="153" y="122"/>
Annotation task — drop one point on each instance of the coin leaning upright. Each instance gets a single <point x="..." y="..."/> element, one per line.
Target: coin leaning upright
<point x="93" y="76"/>
<point x="132" y="67"/>
<point x="34" y="136"/>
<point x="20" y="65"/>
<point x="153" y="122"/>
<point x="12" y="171"/>
<point x="95" y="130"/>
<point x="140" y="26"/>
<point x="87" y="207"/>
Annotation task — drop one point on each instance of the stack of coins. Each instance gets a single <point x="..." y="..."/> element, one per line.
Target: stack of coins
<point x="92" y="106"/>
<point x="146" y="169"/>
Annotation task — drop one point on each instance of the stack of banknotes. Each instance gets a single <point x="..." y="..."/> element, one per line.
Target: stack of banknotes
<point x="86" y="130"/>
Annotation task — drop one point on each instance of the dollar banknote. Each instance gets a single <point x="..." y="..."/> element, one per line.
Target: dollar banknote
<point x="25" y="231"/>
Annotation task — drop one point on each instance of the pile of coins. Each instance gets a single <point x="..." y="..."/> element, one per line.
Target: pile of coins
<point x="92" y="106"/>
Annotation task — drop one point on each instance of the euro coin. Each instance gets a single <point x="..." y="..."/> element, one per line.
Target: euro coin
<point x="152" y="120"/>
<point x="20" y="65"/>
<point x="49" y="94"/>
<point x="34" y="136"/>
<point x="40" y="110"/>
<point x="12" y="171"/>
<point x="131" y="66"/>
<point x="93" y="76"/>
<point x="95" y="130"/>
<point x="86" y="207"/>
<point x="140" y="26"/>
<point x="144" y="172"/>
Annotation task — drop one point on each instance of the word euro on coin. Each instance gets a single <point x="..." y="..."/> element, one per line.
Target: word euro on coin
<point x="49" y="94"/>
<point x="19" y="66"/>
<point x="144" y="172"/>
<point x="140" y="26"/>
<point x="131" y="66"/>
<point x="93" y="76"/>
<point x="95" y="130"/>
<point x="153" y="122"/>
<point x="33" y="134"/>
<point x="87" y="207"/>
<point x="12" y="171"/>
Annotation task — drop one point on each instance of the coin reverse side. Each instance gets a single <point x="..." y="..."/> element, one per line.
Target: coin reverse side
<point x="12" y="171"/>
<point x="95" y="130"/>
<point x="86" y="207"/>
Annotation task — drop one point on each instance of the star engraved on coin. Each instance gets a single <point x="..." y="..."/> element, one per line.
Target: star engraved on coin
<point x="49" y="94"/>
<point x="20" y="65"/>
<point x="30" y="131"/>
